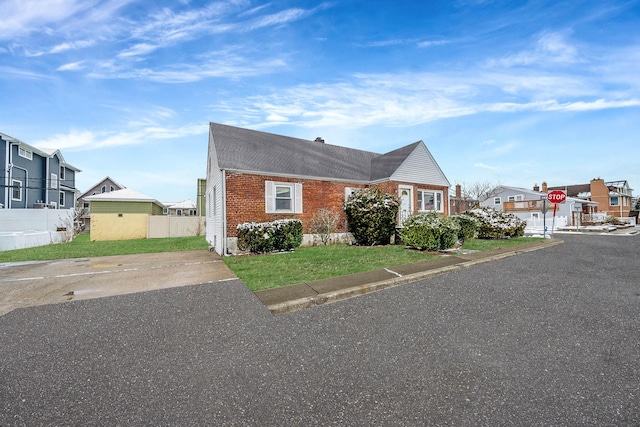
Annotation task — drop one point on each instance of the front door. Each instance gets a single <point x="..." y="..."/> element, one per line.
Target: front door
<point x="406" y="203"/>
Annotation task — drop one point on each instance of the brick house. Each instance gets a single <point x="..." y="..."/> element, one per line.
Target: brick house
<point x="255" y="176"/>
<point x="614" y="198"/>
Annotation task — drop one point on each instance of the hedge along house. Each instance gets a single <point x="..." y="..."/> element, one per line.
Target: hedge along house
<point x="121" y="214"/>
<point x="255" y="176"/>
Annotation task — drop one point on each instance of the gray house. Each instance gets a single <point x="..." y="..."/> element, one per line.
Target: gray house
<point x="527" y="204"/>
<point x="34" y="178"/>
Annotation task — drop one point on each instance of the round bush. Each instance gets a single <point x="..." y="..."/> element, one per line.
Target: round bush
<point x="371" y="216"/>
<point x="497" y="224"/>
<point x="430" y="231"/>
<point x="468" y="226"/>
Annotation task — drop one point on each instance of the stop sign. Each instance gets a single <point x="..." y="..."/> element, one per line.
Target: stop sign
<point x="556" y="196"/>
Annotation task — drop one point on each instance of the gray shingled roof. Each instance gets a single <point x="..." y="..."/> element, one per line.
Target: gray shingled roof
<point x="254" y="151"/>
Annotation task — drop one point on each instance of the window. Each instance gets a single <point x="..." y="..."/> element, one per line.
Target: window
<point x="179" y="212"/>
<point x="103" y="189"/>
<point x="111" y="188"/>
<point x="62" y="199"/>
<point x="62" y="172"/>
<point x="517" y="198"/>
<point x="165" y="211"/>
<point x="430" y="201"/>
<point x="192" y="212"/>
<point x="283" y="197"/>
<point x="497" y="201"/>
<point x="25" y="153"/>
<point x="348" y="192"/>
<point x="54" y="180"/>
<point x="614" y="201"/>
<point x="16" y="190"/>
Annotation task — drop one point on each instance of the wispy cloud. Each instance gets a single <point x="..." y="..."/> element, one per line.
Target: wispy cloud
<point x="80" y="139"/>
<point x="21" y="17"/>
<point x="551" y="48"/>
<point x="72" y="66"/>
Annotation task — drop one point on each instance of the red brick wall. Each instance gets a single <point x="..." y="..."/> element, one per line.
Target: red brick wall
<point x="246" y="199"/>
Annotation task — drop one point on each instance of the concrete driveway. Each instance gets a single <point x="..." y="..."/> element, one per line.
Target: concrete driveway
<point x="48" y="282"/>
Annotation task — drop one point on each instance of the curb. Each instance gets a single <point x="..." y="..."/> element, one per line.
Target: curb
<point x="355" y="291"/>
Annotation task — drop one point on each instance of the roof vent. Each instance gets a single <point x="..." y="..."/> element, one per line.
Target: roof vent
<point x="320" y="140"/>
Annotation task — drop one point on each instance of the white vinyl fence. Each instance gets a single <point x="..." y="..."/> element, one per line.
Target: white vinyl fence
<point x="26" y="228"/>
<point x="175" y="226"/>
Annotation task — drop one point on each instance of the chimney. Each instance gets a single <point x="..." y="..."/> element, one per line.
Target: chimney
<point x="544" y="187"/>
<point x="536" y="187"/>
<point x="458" y="192"/>
<point x="320" y="140"/>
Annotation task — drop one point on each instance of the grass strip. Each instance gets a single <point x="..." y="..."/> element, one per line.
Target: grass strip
<point x="82" y="247"/>
<point x="268" y="271"/>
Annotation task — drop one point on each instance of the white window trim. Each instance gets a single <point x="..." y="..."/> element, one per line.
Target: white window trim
<point x="54" y="181"/>
<point x="25" y="153"/>
<point x="497" y="200"/>
<point x="62" y="173"/>
<point x="617" y="201"/>
<point x="348" y="192"/>
<point x="438" y="199"/>
<point x="62" y="198"/>
<point x="17" y="182"/>
<point x="270" y="197"/>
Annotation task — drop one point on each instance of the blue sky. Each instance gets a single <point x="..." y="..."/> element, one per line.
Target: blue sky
<point x="506" y="92"/>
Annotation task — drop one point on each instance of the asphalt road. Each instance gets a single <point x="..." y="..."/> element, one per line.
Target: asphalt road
<point x="551" y="337"/>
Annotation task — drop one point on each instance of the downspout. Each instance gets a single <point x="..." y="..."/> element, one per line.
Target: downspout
<point x="7" y="191"/>
<point x="223" y="182"/>
<point x="47" y="179"/>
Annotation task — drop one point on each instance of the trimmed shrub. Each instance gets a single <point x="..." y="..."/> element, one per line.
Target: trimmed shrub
<point x="497" y="224"/>
<point x="469" y="226"/>
<point x="430" y="231"/>
<point x="280" y="235"/>
<point x="371" y="216"/>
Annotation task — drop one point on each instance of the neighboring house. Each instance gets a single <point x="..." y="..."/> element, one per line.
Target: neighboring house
<point x="184" y="208"/>
<point x="107" y="185"/>
<point x="201" y="200"/>
<point x="614" y="198"/>
<point x="459" y="204"/>
<point x="121" y="214"/>
<point x="256" y="176"/>
<point x="528" y="204"/>
<point x="35" y="178"/>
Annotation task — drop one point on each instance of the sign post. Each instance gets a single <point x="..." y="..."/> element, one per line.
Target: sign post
<point x="556" y="197"/>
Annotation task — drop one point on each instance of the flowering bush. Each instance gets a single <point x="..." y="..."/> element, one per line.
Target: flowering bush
<point x="430" y="231"/>
<point x="371" y="216"/>
<point x="280" y="235"/>
<point x="469" y="226"/>
<point x="497" y="224"/>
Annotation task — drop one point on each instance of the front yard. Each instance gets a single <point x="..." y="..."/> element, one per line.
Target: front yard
<point x="267" y="271"/>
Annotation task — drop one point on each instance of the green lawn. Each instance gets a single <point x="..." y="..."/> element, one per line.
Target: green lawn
<point x="82" y="247"/>
<point x="317" y="262"/>
<point x="321" y="262"/>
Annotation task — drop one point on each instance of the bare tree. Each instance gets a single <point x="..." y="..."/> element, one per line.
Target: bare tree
<point x="479" y="191"/>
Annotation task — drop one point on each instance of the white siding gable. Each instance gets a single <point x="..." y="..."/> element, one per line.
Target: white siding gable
<point x="420" y="167"/>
